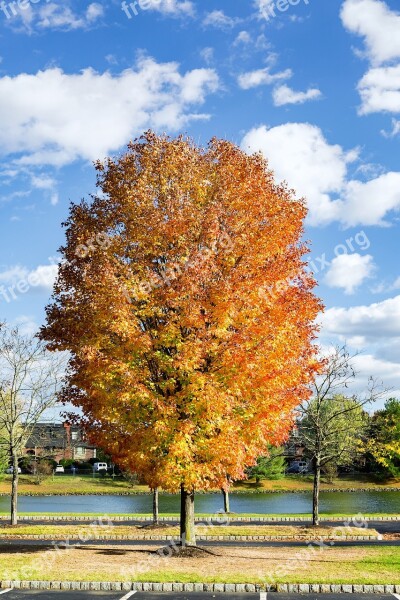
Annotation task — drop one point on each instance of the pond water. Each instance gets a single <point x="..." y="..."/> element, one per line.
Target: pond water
<point x="279" y="503"/>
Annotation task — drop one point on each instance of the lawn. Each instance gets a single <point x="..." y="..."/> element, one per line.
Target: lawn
<point x="230" y="565"/>
<point x="68" y="484"/>
<point x="92" y="532"/>
<point x="305" y="483"/>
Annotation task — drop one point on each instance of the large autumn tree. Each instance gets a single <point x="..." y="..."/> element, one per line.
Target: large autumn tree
<point x="184" y="300"/>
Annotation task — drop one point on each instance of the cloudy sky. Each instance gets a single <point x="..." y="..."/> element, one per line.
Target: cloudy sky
<point x="314" y="84"/>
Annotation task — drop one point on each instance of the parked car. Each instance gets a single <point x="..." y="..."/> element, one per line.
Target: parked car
<point x="298" y="466"/>
<point x="59" y="469"/>
<point x="10" y="470"/>
<point x="100" y="467"/>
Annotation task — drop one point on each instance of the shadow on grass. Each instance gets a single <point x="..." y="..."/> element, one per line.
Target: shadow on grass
<point x="152" y="553"/>
<point x="117" y="552"/>
<point x="24" y="549"/>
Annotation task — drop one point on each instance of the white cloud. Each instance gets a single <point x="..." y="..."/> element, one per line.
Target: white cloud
<point x="262" y="6"/>
<point x="26" y="325"/>
<point x="207" y="54"/>
<point x="379" y="321"/>
<point x="42" y="181"/>
<point x="243" y="37"/>
<point x="283" y="94"/>
<point x="384" y="371"/>
<point x="55" y="16"/>
<point x="42" y="277"/>
<point x="259" y="77"/>
<point x="383" y="286"/>
<point x="369" y="203"/>
<point x="219" y="20"/>
<point x="349" y="271"/>
<point x="13" y="274"/>
<point x="94" y="11"/>
<point x="380" y="90"/>
<point x="172" y="8"/>
<point x="373" y="330"/>
<point x="379" y="27"/>
<point x="54" y="118"/>
<point x="377" y="24"/>
<point x="45" y="274"/>
<point x="299" y="154"/>
<point x="395" y="129"/>
<point x="318" y="171"/>
<point x="268" y="9"/>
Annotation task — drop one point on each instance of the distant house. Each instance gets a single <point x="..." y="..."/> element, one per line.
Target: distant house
<point x="59" y="441"/>
<point x="295" y="453"/>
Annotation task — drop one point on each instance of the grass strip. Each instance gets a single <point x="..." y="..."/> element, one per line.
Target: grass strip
<point x="92" y="532"/>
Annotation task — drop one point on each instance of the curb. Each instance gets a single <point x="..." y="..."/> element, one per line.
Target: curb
<point x="216" y="519"/>
<point x="301" y="588"/>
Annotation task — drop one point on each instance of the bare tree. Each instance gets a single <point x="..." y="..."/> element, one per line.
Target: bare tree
<point x="332" y="423"/>
<point x="30" y="379"/>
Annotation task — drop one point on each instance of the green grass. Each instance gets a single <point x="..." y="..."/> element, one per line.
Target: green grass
<point x="69" y="484"/>
<point x="89" y="532"/>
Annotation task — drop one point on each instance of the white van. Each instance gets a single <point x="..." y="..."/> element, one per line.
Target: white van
<point x="98" y="467"/>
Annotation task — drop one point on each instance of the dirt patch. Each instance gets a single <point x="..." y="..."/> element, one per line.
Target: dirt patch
<point x="391" y="536"/>
<point x="185" y="552"/>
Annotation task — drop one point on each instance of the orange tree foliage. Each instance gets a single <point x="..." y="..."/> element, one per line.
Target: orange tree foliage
<point x="185" y="303"/>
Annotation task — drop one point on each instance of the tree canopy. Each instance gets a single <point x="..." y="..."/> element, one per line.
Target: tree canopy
<point x="383" y="441"/>
<point x="185" y="302"/>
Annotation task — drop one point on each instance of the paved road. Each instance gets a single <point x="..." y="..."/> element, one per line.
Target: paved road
<point x="72" y="595"/>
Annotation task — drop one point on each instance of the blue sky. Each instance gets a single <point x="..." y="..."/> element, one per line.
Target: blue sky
<point x="313" y="84"/>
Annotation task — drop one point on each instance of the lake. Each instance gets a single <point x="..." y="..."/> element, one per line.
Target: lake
<point x="277" y="503"/>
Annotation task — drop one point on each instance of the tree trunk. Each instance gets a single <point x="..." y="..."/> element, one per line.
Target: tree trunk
<point x="14" y="491"/>
<point x="188" y="536"/>
<point x="155" y="506"/>
<point x="317" y="481"/>
<point x="225" y="494"/>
